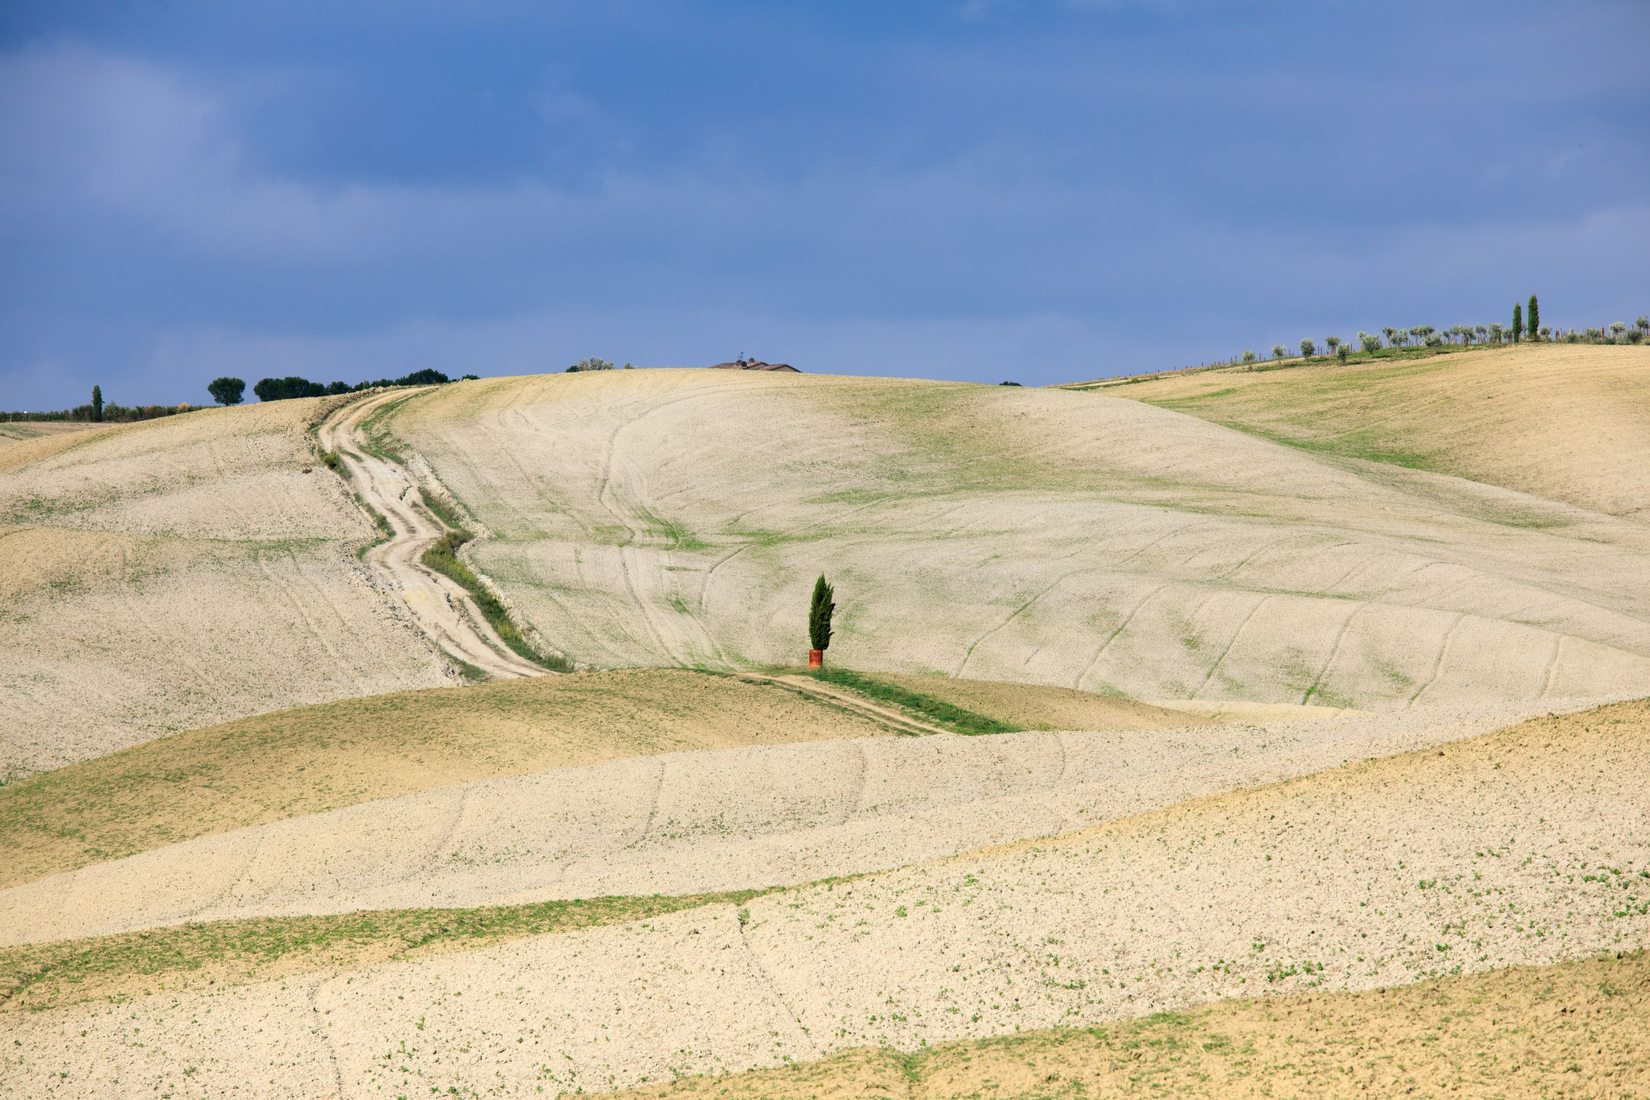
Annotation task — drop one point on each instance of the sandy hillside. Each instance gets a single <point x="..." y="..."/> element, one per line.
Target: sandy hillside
<point x="13" y="432"/>
<point x="1041" y="706"/>
<point x="1565" y="422"/>
<point x="1562" y="1030"/>
<point x="696" y="822"/>
<point x="1055" y="537"/>
<point x="1527" y="846"/>
<point x="318" y="758"/>
<point x="179" y="572"/>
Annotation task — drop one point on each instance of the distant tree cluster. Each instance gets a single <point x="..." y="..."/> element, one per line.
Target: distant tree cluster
<point x="98" y="411"/>
<point x="594" y="364"/>
<point x="1526" y="326"/>
<point x="282" y="389"/>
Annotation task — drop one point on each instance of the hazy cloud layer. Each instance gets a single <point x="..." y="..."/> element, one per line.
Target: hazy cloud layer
<point x="988" y="191"/>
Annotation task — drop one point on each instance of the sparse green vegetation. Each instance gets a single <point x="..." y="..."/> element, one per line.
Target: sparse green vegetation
<point x="317" y="758"/>
<point x="47" y="975"/>
<point x="1554" y="1023"/>
<point x="926" y="707"/>
<point x="443" y="558"/>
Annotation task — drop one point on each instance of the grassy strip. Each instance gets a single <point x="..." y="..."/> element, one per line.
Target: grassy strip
<point x="47" y="975"/>
<point x="375" y="435"/>
<point x="1360" y="445"/>
<point x="926" y="707"/>
<point x="443" y="558"/>
<point x="444" y="511"/>
<point x="1262" y="366"/>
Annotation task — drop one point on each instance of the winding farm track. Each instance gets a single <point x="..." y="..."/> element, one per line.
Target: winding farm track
<point x="439" y="605"/>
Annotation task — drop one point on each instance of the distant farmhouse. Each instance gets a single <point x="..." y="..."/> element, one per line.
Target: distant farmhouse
<point x="742" y="363"/>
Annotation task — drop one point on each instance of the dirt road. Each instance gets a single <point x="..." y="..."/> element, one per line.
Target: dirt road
<point x="442" y="609"/>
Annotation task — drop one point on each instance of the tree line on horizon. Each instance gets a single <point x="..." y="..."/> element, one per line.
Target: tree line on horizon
<point x="226" y="391"/>
<point x="1526" y="327"/>
<point x="98" y="411"/>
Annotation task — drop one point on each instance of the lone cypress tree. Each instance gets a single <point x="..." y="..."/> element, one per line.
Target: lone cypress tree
<point x="819" y="619"/>
<point x="1518" y="321"/>
<point x="1534" y="327"/>
<point x="97" y="404"/>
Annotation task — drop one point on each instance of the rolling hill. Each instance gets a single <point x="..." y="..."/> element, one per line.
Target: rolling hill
<point x="1061" y="538"/>
<point x="1275" y="732"/>
<point x="1565" y="422"/>
<point x="171" y="574"/>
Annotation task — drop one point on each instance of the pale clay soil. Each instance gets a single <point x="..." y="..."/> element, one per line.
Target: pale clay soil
<point x="1568" y="1029"/>
<point x="1053" y="537"/>
<point x="180" y="572"/>
<point x="1523" y="847"/>
<point x="697" y="822"/>
<point x="166" y="575"/>
<point x="273" y="766"/>
<point x="1566" y="422"/>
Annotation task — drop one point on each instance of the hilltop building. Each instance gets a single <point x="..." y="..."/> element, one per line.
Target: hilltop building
<point x="743" y="363"/>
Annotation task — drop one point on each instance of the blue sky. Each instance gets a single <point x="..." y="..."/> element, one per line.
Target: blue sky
<point x="975" y="189"/>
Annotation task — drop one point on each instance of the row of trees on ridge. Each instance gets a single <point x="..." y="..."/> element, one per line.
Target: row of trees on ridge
<point x="1526" y="326"/>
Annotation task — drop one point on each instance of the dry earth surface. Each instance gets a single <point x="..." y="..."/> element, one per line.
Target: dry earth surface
<point x="1571" y="1029"/>
<point x="170" y="574"/>
<point x="695" y="822"/>
<point x="614" y="879"/>
<point x="291" y="763"/>
<point x="15" y="431"/>
<point x="1566" y="422"/>
<point x="1054" y="537"/>
<point x="1526" y="846"/>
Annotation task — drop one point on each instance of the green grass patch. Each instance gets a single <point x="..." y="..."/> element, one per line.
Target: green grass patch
<point x="42" y="976"/>
<point x="926" y="707"/>
<point x="376" y="438"/>
<point x="1361" y="445"/>
<point x="443" y="510"/>
<point x="673" y="534"/>
<point x="443" y="558"/>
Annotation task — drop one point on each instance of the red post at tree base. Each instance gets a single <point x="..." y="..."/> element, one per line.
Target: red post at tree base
<point x="816" y="658"/>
